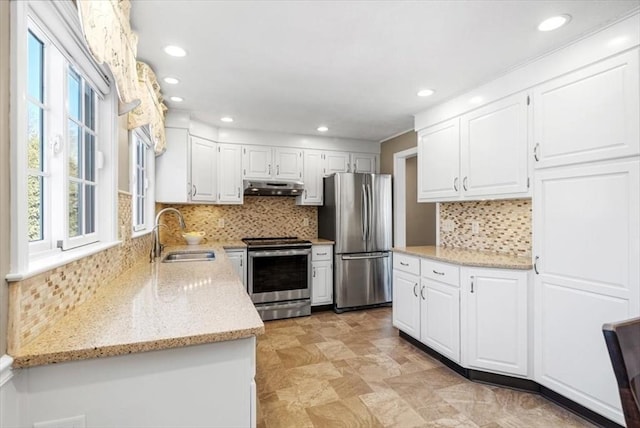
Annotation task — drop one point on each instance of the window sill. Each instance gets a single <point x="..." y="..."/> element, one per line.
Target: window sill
<point x="140" y="233"/>
<point x="61" y="258"/>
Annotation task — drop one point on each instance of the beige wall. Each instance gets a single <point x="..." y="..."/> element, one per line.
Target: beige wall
<point x="420" y="218"/>
<point x="4" y="171"/>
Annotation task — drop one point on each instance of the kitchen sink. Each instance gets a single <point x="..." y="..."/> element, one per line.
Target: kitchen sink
<point x="189" y="256"/>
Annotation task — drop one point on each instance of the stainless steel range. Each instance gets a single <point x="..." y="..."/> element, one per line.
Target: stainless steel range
<point x="279" y="276"/>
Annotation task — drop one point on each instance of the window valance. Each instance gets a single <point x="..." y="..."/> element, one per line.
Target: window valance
<point x="151" y="109"/>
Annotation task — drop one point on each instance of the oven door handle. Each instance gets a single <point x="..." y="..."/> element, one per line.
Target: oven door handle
<point x="362" y="256"/>
<point x="272" y="253"/>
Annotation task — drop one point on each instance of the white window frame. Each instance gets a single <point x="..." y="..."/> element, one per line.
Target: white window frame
<point x="142" y="136"/>
<point x="57" y="25"/>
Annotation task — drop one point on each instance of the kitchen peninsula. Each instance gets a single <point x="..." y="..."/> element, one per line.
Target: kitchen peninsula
<point x="197" y="320"/>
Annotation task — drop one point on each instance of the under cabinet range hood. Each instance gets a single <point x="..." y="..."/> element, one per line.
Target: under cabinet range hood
<point x="273" y="188"/>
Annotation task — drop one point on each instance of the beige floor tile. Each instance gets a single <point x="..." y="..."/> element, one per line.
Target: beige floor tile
<point x="390" y="409"/>
<point x="476" y="401"/>
<point x="300" y="355"/>
<point x="350" y="386"/>
<point x="319" y="371"/>
<point x="335" y="350"/>
<point x="308" y="393"/>
<point x="349" y="413"/>
<point x="375" y="366"/>
<point x="457" y="421"/>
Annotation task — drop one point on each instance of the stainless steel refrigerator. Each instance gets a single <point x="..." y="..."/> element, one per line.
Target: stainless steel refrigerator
<point x="357" y="215"/>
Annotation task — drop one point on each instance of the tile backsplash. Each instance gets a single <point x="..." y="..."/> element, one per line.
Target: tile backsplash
<point x="504" y="226"/>
<point x="37" y="302"/>
<point x="259" y="216"/>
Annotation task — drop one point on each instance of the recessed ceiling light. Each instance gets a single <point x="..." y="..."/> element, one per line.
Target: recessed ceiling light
<point x="176" y="99"/>
<point x="226" y="119"/>
<point x="426" y="92"/>
<point x="554" y="22"/>
<point x="323" y="128"/>
<point x="476" y="100"/>
<point x="174" y="51"/>
<point x="171" y="80"/>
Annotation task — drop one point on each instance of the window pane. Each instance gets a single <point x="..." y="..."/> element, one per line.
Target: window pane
<point x="140" y="211"/>
<point x="89" y="208"/>
<point x="35" y="193"/>
<point x="34" y="142"/>
<point x="89" y="157"/>
<point x="75" y="168"/>
<point x="36" y="59"/>
<point x="89" y="107"/>
<point x="75" y="209"/>
<point x="74" y="95"/>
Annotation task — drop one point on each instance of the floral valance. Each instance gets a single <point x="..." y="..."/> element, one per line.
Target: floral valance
<point x="107" y="30"/>
<point x="151" y="109"/>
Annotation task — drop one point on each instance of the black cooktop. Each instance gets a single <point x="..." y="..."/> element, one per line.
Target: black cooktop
<point x="285" y="241"/>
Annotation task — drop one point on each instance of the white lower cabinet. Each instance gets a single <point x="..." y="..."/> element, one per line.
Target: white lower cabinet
<point x="440" y="318"/>
<point x="495" y="320"/>
<point x="406" y="304"/>
<point x="238" y="258"/>
<point x="322" y="275"/>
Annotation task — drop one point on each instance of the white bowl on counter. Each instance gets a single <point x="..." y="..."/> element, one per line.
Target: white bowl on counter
<point x="193" y="238"/>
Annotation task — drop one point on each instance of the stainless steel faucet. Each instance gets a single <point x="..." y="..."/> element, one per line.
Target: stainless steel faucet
<point x="156" y="249"/>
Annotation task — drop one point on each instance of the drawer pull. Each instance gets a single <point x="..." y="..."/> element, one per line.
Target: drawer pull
<point x="321" y="254"/>
<point x="472" y="280"/>
<point x="438" y="273"/>
<point x="422" y="293"/>
<point x="404" y="264"/>
<point x="415" y="293"/>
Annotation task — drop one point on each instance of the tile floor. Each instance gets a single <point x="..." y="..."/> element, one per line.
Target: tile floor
<point x="352" y="370"/>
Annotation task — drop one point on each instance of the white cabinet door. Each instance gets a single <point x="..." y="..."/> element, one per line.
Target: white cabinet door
<point x="364" y="162"/>
<point x="257" y="162"/>
<point x="312" y="178"/>
<point x="203" y="170"/>
<point x="406" y="303"/>
<point x="440" y="318"/>
<point x="438" y="162"/>
<point x="336" y="162"/>
<point x="590" y="114"/>
<point x="493" y="154"/>
<point x="173" y="181"/>
<point x="495" y="305"/>
<point x="587" y="227"/>
<point x="288" y="163"/>
<point x="322" y="283"/>
<point x="229" y="174"/>
<point x="238" y="261"/>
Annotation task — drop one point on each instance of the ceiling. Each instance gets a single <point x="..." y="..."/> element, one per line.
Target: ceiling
<point x="354" y="66"/>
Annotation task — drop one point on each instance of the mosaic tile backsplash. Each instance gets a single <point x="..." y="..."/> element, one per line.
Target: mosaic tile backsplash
<point x="259" y="216"/>
<point x="505" y="226"/>
<point x="39" y="301"/>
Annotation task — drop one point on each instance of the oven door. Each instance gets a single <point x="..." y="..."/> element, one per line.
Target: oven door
<point x="279" y="275"/>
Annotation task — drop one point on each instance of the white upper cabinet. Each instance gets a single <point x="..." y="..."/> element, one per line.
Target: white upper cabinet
<point x="493" y="155"/>
<point x="257" y="162"/>
<point x="439" y="162"/>
<point x="288" y="163"/>
<point x="363" y="162"/>
<point x="203" y="170"/>
<point x="173" y="181"/>
<point x="229" y="174"/>
<point x="590" y="114"/>
<point x="336" y="162"/>
<point x="313" y="168"/>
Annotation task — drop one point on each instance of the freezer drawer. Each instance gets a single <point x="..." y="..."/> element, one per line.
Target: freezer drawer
<point x="362" y="279"/>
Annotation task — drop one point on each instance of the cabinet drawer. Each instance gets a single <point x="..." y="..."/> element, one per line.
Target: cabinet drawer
<point x="406" y="263"/>
<point x="321" y="252"/>
<point x="442" y="272"/>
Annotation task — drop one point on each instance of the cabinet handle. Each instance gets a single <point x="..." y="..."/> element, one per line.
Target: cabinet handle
<point x="241" y="261"/>
<point x="195" y="190"/>
<point x="277" y="169"/>
<point x="472" y="281"/>
<point x="348" y="167"/>
<point x="269" y="169"/>
<point x="455" y="184"/>
<point x="404" y="264"/>
<point x="321" y="254"/>
<point x="535" y="152"/>
<point x="464" y="184"/>
<point x="415" y="292"/>
<point x="422" y="293"/>
<point x="238" y="192"/>
<point x="535" y="265"/>
<point x="438" y="273"/>
<point x="314" y="272"/>
<point x="305" y="193"/>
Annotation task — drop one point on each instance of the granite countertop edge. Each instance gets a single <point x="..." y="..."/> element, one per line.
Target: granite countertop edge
<point x="470" y="258"/>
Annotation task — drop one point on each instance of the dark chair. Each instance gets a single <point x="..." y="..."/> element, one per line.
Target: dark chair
<point x="623" y="343"/>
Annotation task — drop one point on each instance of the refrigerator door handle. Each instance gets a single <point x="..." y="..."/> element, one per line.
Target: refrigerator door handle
<point x="364" y="213"/>
<point x="362" y="256"/>
<point x="369" y="212"/>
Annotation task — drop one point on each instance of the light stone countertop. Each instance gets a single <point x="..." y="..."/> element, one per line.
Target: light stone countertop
<point x="152" y="306"/>
<point x="464" y="257"/>
<point x="321" y="241"/>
